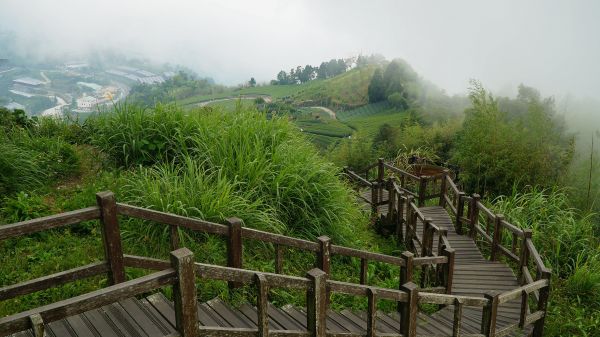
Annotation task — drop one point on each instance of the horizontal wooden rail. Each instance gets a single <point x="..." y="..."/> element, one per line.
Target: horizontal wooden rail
<point x="249" y="233"/>
<point x="92" y="300"/>
<point x="172" y="219"/>
<point x="402" y="172"/>
<point x="49" y="222"/>
<point x="351" y="252"/>
<point x="517" y="293"/>
<point x="358" y="178"/>
<point x="53" y="280"/>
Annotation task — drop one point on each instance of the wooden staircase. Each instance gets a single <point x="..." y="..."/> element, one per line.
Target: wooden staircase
<point x="459" y="270"/>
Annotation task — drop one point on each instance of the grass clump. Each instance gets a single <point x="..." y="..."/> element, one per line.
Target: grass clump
<point x="264" y="169"/>
<point x="570" y="246"/>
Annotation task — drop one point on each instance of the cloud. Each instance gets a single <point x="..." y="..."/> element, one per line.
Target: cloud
<point x="547" y="44"/>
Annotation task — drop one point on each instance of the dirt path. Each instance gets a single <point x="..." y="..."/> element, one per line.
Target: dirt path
<point x="330" y="112"/>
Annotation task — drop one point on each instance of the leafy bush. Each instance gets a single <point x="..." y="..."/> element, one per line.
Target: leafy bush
<point x="521" y="141"/>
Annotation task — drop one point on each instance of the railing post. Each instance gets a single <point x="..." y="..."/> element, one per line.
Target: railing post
<point x="427" y="238"/>
<point x="262" y="304"/>
<point x="490" y="313"/>
<point x="111" y="236"/>
<point x="448" y="269"/>
<point x="408" y="235"/>
<point x="374" y="199"/>
<point x="406" y="271"/>
<point x="458" y="309"/>
<point x="316" y="303"/>
<point x="460" y="209"/>
<point x="443" y="187"/>
<point x="391" y="215"/>
<point x="538" y="328"/>
<point x="279" y="259"/>
<point x="524" y="261"/>
<point x="37" y="325"/>
<point x="324" y="254"/>
<point x="409" y="309"/>
<point x="234" y="246"/>
<point x="400" y="219"/>
<point x="497" y="239"/>
<point x="380" y="176"/>
<point x="422" y="190"/>
<point x="473" y="215"/>
<point x="364" y="270"/>
<point x="184" y="293"/>
<point x="174" y="237"/>
<point x="371" y="312"/>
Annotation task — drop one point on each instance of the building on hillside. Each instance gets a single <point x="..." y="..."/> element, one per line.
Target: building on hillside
<point x="28" y="82"/>
<point x="76" y="65"/>
<point x="87" y="103"/>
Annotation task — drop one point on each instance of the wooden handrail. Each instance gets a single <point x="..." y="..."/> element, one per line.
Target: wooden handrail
<point x="95" y="299"/>
<point x="49" y="222"/>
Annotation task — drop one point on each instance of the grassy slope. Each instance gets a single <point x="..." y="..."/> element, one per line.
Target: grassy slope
<point x="367" y="119"/>
<point x="349" y="88"/>
<point x="268" y="180"/>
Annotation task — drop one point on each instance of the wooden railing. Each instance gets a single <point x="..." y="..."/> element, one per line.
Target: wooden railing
<point x="494" y="234"/>
<point x="115" y="262"/>
<point x="318" y="288"/>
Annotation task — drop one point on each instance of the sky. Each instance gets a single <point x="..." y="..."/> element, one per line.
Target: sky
<point x="551" y="45"/>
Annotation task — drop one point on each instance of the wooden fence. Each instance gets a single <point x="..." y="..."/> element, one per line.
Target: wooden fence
<point x="115" y="262"/>
<point x="494" y="234"/>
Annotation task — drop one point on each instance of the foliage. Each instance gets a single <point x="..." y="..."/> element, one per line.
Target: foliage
<point x="28" y="162"/>
<point x="355" y="152"/>
<point x="569" y="245"/>
<point x="181" y="86"/>
<point x="266" y="158"/>
<point x="376" y="87"/>
<point x="132" y="135"/>
<point x="497" y="147"/>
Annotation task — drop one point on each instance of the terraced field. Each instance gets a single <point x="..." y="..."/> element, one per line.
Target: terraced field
<point x="367" y="119"/>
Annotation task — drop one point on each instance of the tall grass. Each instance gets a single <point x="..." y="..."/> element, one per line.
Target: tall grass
<point x="570" y="247"/>
<point x="28" y="162"/>
<point x="263" y="170"/>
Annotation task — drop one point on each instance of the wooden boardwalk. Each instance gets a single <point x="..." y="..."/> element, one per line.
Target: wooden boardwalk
<point x="474" y="275"/>
<point x="482" y="296"/>
<point x="154" y="315"/>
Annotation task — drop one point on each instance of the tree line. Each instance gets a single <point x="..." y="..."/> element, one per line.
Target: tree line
<point x="308" y="73"/>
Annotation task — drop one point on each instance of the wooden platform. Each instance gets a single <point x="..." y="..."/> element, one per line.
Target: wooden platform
<point x="474" y="275"/>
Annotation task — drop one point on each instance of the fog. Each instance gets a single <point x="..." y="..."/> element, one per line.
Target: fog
<point x="551" y="45"/>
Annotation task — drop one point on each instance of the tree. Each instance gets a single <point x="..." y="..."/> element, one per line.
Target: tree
<point x="282" y="77"/>
<point x="376" y="88"/>
<point x="306" y="74"/>
<point x="497" y="148"/>
<point x="252" y="82"/>
<point x="322" y="71"/>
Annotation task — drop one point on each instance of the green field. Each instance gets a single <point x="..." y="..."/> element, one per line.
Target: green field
<point x="322" y="141"/>
<point x="370" y="117"/>
<point x="231" y="104"/>
<point x="347" y="89"/>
